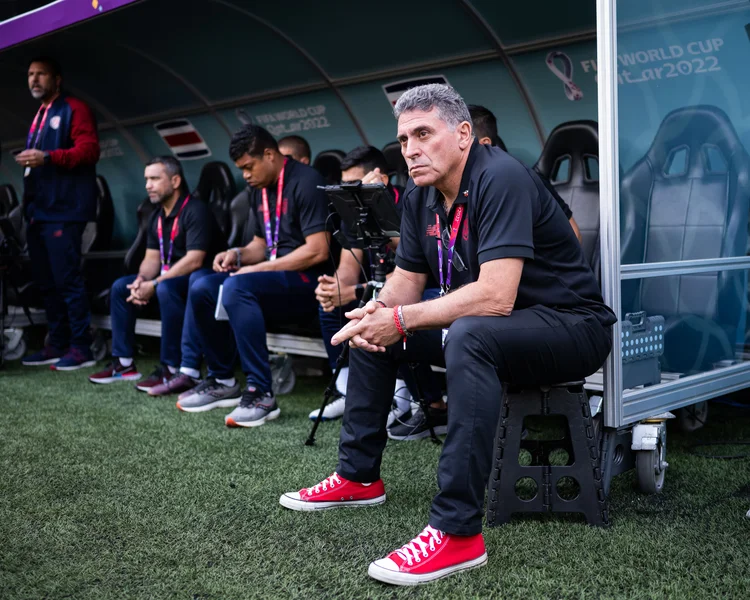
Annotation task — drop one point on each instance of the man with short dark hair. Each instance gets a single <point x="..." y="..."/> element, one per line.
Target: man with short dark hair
<point x="269" y="281"/>
<point x="519" y="306"/>
<point x="341" y="292"/>
<point x="183" y="236"/>
<point x="296" y="147"/>
<point x="59" y="198"/>
<point x="485" y="130"/>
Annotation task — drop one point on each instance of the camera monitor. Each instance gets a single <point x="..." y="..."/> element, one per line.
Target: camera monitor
<point x="366" y="209"/>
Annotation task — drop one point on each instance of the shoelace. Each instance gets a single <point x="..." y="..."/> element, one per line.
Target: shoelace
<point x="76" y="354"/>
<point x="249" y="398"/>
<point x="410" y="553"/>
<point x="206" y="385"/>
<point x="325" y="484"/>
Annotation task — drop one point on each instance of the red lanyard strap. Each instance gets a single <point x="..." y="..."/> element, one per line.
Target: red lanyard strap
<point x="272" y="241"/>
<point x="31" y="141"/>
<point x="445" y="283"/>
<point x="173" y="234"/>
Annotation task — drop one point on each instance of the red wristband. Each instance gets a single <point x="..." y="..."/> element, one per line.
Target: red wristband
<point x="397" y="322"/>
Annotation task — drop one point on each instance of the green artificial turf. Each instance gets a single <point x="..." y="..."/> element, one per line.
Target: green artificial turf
<point x="107" y="493"/>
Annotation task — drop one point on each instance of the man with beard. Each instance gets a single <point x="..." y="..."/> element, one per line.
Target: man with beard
<point x="183" y="237"/>
<point x="59" y="197"/>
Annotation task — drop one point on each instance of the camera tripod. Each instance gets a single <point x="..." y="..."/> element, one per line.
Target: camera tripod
<point x="376" y="283"/>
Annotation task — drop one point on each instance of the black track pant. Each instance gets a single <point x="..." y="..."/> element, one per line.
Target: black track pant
<point x="534" y="346"/>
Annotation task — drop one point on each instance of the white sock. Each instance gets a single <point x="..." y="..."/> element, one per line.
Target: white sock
<point x="194" y="373"/>
<point x="172" y="370"/>
<point x="231" y="382"/>
<point x="125" y="362"/>
<point x="401" y="395"/>
<point x="342" y="380"/>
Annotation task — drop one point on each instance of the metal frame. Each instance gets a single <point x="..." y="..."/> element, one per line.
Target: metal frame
<point x="622" y="407"/>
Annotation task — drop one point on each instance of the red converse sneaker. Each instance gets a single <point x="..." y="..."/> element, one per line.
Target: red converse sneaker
<point x="333" y="492"/>
<point x="429" y="556"/>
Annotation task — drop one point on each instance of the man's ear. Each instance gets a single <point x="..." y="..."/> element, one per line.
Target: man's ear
<point x="486" y="141"/>
<point x="305" y="160"/>
<point x="385" y="179"/>
<point x="465" y="135"/>
<point x="176" y="182"/>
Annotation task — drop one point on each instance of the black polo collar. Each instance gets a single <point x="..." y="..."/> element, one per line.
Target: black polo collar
<point x="463" y="191"/>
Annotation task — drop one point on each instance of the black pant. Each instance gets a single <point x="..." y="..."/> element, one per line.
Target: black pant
<point x="55" y="253"/>
<point x="534" y="346"/>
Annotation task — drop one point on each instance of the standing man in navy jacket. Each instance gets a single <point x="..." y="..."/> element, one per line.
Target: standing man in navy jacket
<point x="59" y="197"/>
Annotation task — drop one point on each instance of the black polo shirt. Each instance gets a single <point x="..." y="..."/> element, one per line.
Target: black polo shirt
<point x="304" y="212"/>
<point x="197" y="229"/>
<point x="509" y="214"/>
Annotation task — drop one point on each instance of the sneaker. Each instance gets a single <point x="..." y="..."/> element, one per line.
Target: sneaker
<point x="176" y="384"/>
<point x="74" y="359"/>
<point x="413" y="425"/>
<point x="116" y="371"/>
<point x="335" y="492"/>
<point x="48" y="355"/>
<point x="254" y="410"/>
<point x="209" y="394"/>
<point x="159" y="376"/>
<point x="400" y="414"/>
<point x="429" y="556"/>
<point x="333" y="410"/>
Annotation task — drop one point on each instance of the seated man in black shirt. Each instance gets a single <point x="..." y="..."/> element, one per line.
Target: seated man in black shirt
<point x="485" y="130"/>
<point x="520" y="306"/>
<point x="270" y="281"/>
<point x="342" y="291"/>
<point x="183" y="237"/>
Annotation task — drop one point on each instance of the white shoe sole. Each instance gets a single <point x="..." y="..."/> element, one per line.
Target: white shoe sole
<point x="398" y="578"/>
<point x="301" y="505"/>
<point x="440" y="430"/>
<point x="116" y="379"/>
<point x="49" y="361"/>
<point x="274" y="414"/>
<point x="226" y="403"/>
<point x="83" y="365"/>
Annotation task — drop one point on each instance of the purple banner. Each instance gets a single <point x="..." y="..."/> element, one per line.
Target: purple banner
<point x="52" y="17"/>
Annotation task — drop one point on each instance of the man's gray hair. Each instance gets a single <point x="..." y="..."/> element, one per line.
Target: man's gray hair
<point x="450" y="106"/>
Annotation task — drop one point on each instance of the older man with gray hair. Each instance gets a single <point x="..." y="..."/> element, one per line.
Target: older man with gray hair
<point x="519" y="306"/>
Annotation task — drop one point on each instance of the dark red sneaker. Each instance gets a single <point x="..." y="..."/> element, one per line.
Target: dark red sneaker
<point x="160" y="374"/>
<point x="429" y="556"/>
<point x="334" y="492"/>
<point x="116" y="371"/>
<point x="177" y="384"/>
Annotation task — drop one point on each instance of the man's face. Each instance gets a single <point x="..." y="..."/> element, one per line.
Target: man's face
<point x="358" y="173"/>
<point x="430" y="148"/>
<point x="159" y="185"/>
<point x="257" y="171"/>
<point x="290" y="152"/>
<point x="42" y="83"/>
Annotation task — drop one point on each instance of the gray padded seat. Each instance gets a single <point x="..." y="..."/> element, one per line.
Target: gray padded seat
<point x="8" y="199"/>
<point x="689" y="198"/>
<point x="217" y="188"/>
<point x="242" y="220"/>
<point x="576" y="144"/>
<point x="397" y="169"/>
<point x="328" y="164"/>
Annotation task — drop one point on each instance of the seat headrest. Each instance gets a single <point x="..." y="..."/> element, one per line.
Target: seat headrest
<point x="215" y="183"/>
<point x="574" y="139"/>
<point x="694" y="128"/>
<point x="328" y="164"/>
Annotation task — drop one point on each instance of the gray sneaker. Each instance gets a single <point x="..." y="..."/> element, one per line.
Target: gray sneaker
<point x="254" y="410"/>
<point x="209" y="394"/>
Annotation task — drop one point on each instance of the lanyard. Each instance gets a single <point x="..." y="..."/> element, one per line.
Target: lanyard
<point x="445" y="284"/>
<point x="272" y="241"/>
<point x="395" y="191"/>
<point x="175" y="230"/>
<point x="32" y="141"/>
